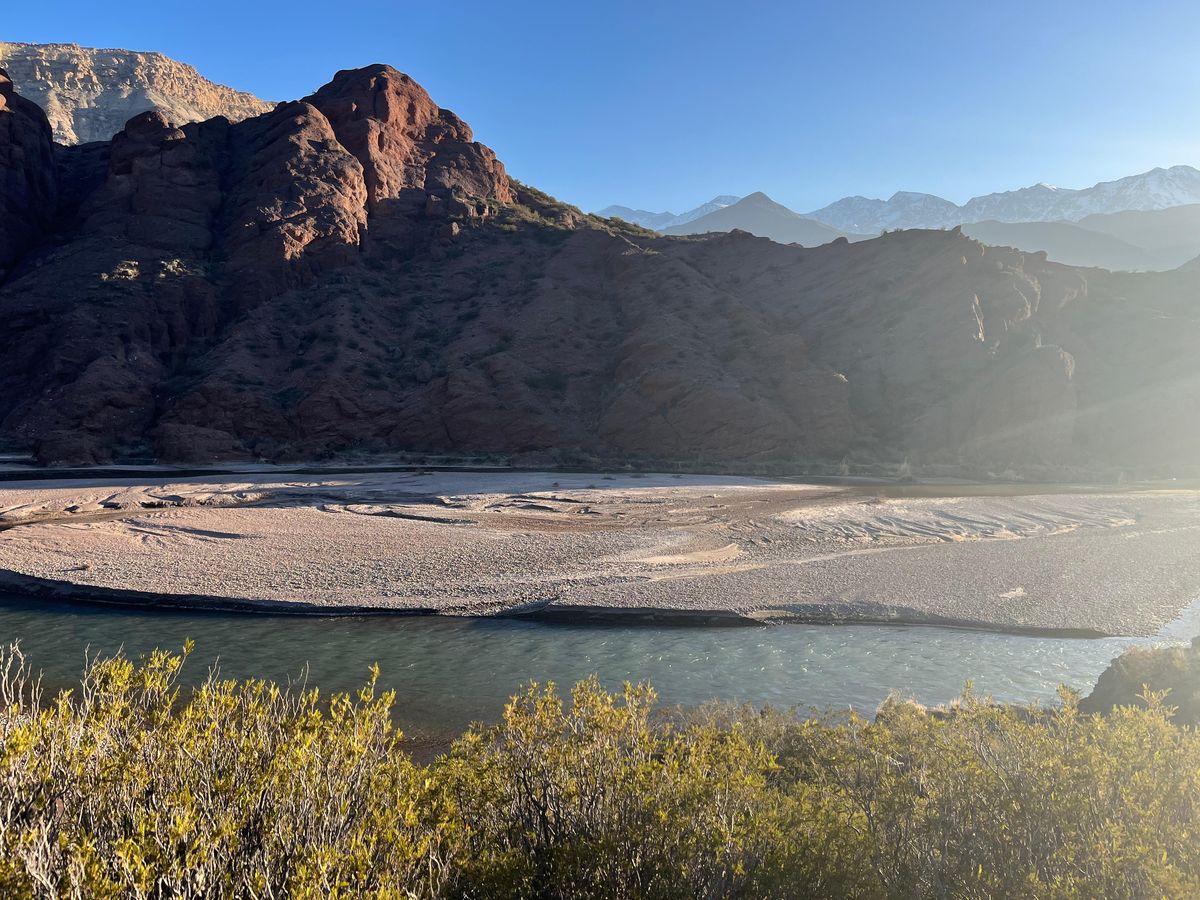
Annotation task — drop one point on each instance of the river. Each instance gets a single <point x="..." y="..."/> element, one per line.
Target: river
<point x="449" y="671"/>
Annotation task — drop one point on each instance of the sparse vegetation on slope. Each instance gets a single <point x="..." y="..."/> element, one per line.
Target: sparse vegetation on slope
<point x="126" y="787"/>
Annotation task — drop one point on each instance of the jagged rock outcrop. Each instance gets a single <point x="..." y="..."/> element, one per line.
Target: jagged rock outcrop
<point x="352" y="272"/>
<point x="404" y="140"/>
<point x="88" y="94"/>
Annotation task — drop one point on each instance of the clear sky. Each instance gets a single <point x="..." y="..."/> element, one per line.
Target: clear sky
<point x="661" y="105"/>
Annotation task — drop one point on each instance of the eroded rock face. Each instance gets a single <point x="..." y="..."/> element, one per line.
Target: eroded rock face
<point x="353" y="273"/>
<point x="28" y="187"/>
<point x="295" y="203"/>
<point x="404" y="140"/>
<point x="89" y="94"/>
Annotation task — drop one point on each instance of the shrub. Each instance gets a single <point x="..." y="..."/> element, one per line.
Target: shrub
<point x="245" y="789"/>
<point x="131" y="787"/>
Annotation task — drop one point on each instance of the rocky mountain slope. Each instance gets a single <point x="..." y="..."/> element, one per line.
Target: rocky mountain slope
<point x="352" y="272"/>
<point x="90" y="94"/>
<point x="663" y="220"/>
<point x="1153" y="190"/>
<point x="759" y="215"/>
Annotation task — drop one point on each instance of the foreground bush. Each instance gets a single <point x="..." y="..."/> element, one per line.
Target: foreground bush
<point x="132" y="787"/>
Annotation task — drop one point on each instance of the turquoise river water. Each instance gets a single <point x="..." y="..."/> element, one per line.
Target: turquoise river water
<point x="449" y="672"/>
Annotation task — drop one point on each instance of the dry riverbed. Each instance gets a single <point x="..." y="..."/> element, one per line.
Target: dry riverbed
<point x="597" y="546"/>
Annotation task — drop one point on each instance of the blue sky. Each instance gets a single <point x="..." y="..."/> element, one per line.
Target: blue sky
<point x="664" y="104"/>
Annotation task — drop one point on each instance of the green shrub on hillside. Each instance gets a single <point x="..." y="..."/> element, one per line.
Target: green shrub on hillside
<point x="131" y="787"/>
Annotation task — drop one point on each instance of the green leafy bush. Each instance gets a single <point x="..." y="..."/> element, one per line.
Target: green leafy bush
<point x="130" y="786"/>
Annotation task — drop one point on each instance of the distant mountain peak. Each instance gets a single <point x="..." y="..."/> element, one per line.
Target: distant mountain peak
<point x="909" y="196"/>
<point x="759" y="215"/>
<point x="758" y="198"/>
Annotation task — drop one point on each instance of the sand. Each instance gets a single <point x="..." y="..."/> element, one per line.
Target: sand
<point x="595" y="546"/>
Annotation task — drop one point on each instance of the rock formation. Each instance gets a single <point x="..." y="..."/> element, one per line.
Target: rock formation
<point x="27" y="174"/>
<point x="89" y="94"/>
<point x="353" y="273"/>
<point x="1171" y="669"/>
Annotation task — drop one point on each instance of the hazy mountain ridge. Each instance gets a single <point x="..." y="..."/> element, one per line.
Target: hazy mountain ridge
<point x="354" y="273"/>
<point x="759" y="215"/>
<point x="1172" y="234"/>
<point x="664" y="220"/>
<point x="1068" y="243"/>
<point x="643" y="217"/>
<point x="1134" y="240"/>
<point x="89" y="94"/>
<point x="1157" y="189"/>
<point x="1155" y="239"/>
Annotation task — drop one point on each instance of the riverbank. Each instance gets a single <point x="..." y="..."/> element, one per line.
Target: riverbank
<point x="579" y="547"/>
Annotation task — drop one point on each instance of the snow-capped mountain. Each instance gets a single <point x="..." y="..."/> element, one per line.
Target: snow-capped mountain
<point x="663" y="220"/>
<point x="716" y="203"/>
<point x="863" y="215"/>
<point x="1156" y="189"/>
<point x="1153" y="190"/>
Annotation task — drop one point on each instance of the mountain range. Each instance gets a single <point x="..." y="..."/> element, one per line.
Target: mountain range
<point x="1148" y="222"/>
<point x="353" y="273"/>
<point x="1156" y="189"/>
<point x="89" y="94"/>
<point x="664" y="220"/>
<point x="760" y="215"/>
